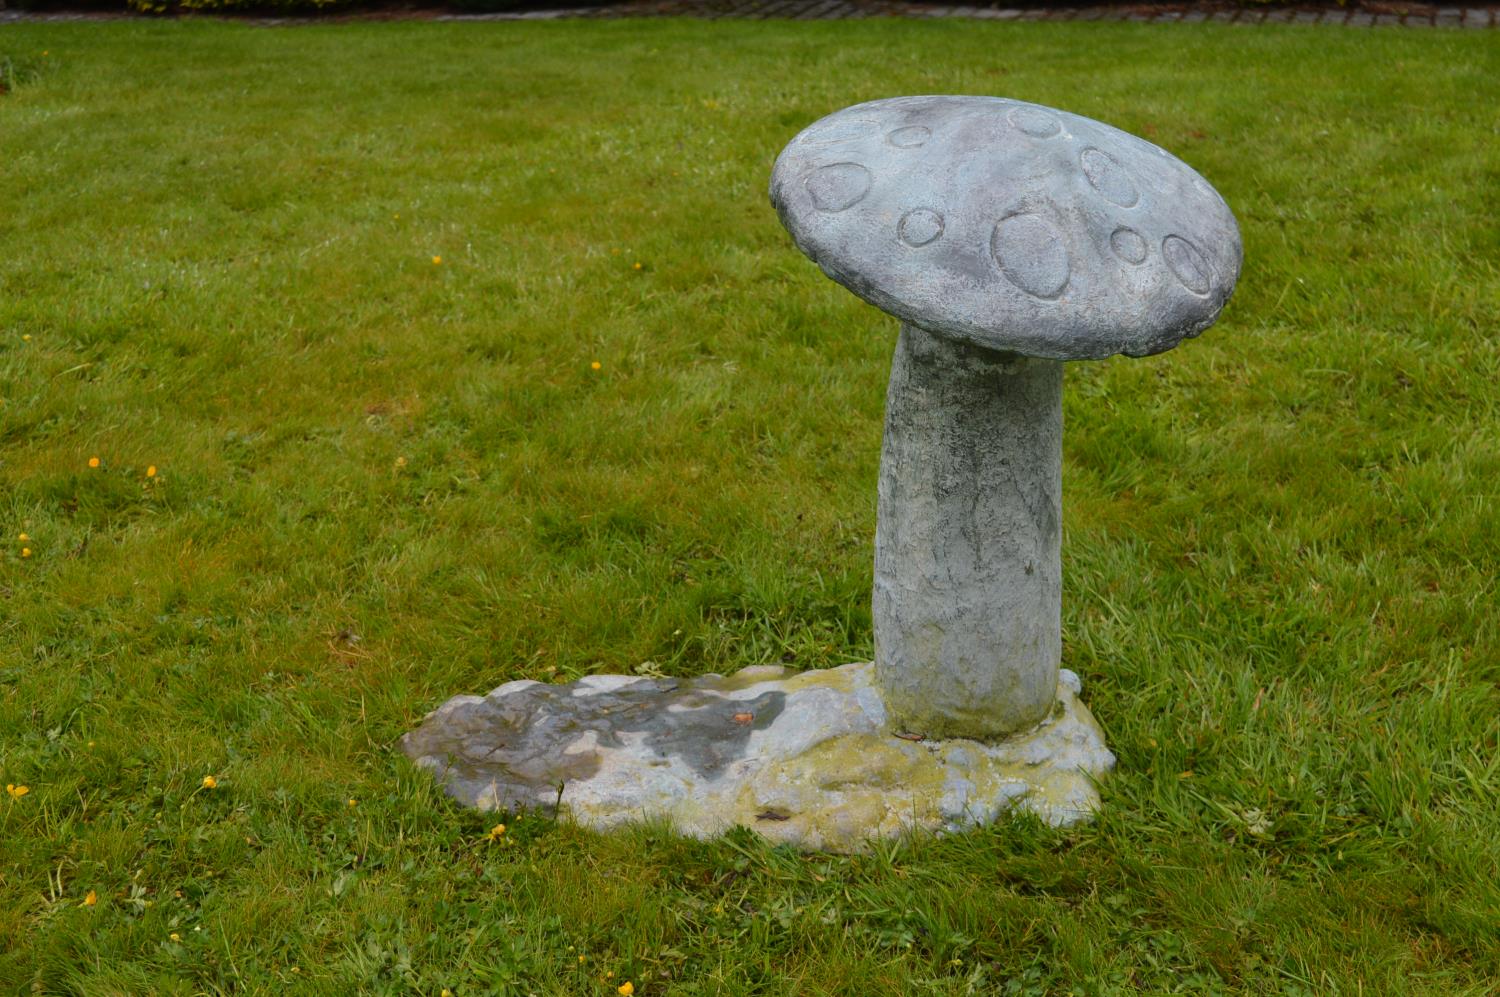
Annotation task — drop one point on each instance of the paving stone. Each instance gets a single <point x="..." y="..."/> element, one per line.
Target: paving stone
<point x="807" y="759"/>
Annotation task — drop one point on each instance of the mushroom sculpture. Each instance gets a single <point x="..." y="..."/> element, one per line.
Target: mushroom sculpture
<point x="1007" y="237"/>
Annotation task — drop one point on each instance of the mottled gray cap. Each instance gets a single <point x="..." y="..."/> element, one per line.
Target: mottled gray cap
<point x="1010" y="225"/>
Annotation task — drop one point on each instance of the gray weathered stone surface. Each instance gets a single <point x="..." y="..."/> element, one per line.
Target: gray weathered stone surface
<point x="968" y="572"/>
<point x="1008" y="237"/>
<point x="805" y="758"/>
<point x="1009" y="225"/>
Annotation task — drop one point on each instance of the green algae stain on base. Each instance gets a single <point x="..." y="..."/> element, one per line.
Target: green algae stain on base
<point x="809" y="758"/>
<point x="850" y="790"/>
<point x="743" y="679"/>
<point x="841" y="679"/>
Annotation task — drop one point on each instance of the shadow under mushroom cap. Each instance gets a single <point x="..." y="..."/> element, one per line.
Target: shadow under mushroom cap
<point x="1009" y="225"/>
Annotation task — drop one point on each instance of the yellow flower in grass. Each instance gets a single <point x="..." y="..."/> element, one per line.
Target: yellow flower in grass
<point x="16" y="792"/>
<point x="626" y="989"/>
<point x="93" y="462"/>
<point x="23" y="538"/>
<point x="174" y="936"/>
<point x="209" y="782"/>
<point x="151" y="471"/>
<point x="596" y="365"/>
<point x="90" y="899"/>
<point x="497" y="832"/>
<point x="437" y="261"/>
<point x="25" y="551"/>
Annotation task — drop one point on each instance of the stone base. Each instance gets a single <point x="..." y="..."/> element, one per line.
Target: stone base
<point x="804" y="758"/>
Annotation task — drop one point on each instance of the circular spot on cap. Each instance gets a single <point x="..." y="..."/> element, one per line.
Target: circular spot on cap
<point x="1187" y="264"/>
<point x="1128" y="245"/>
<point x="1108" y="177"/>
<point x="909" y="137"/>
<point x="838" y="186"/>
<point x="919" y="226"/>
<point x="1036" y="123"/>
<point x="1031" y="253"/>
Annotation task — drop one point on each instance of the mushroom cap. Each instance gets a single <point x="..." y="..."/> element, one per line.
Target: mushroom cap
<point x="1010" y="225"/>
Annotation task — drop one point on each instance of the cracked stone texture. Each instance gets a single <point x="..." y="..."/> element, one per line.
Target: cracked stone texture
<point x="807" y="758"/>
<point x="1011" y="226"/>
<point x="967" y="598"/>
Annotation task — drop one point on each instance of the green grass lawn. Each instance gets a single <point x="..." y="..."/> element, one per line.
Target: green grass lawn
<point x="382" y="480"/>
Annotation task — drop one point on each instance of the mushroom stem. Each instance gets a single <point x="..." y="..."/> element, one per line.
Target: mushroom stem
<point x="968" y="570"/>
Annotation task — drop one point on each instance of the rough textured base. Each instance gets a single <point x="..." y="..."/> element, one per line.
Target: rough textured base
<point x="967" y="600"/>
<point x="804" y="758"/>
